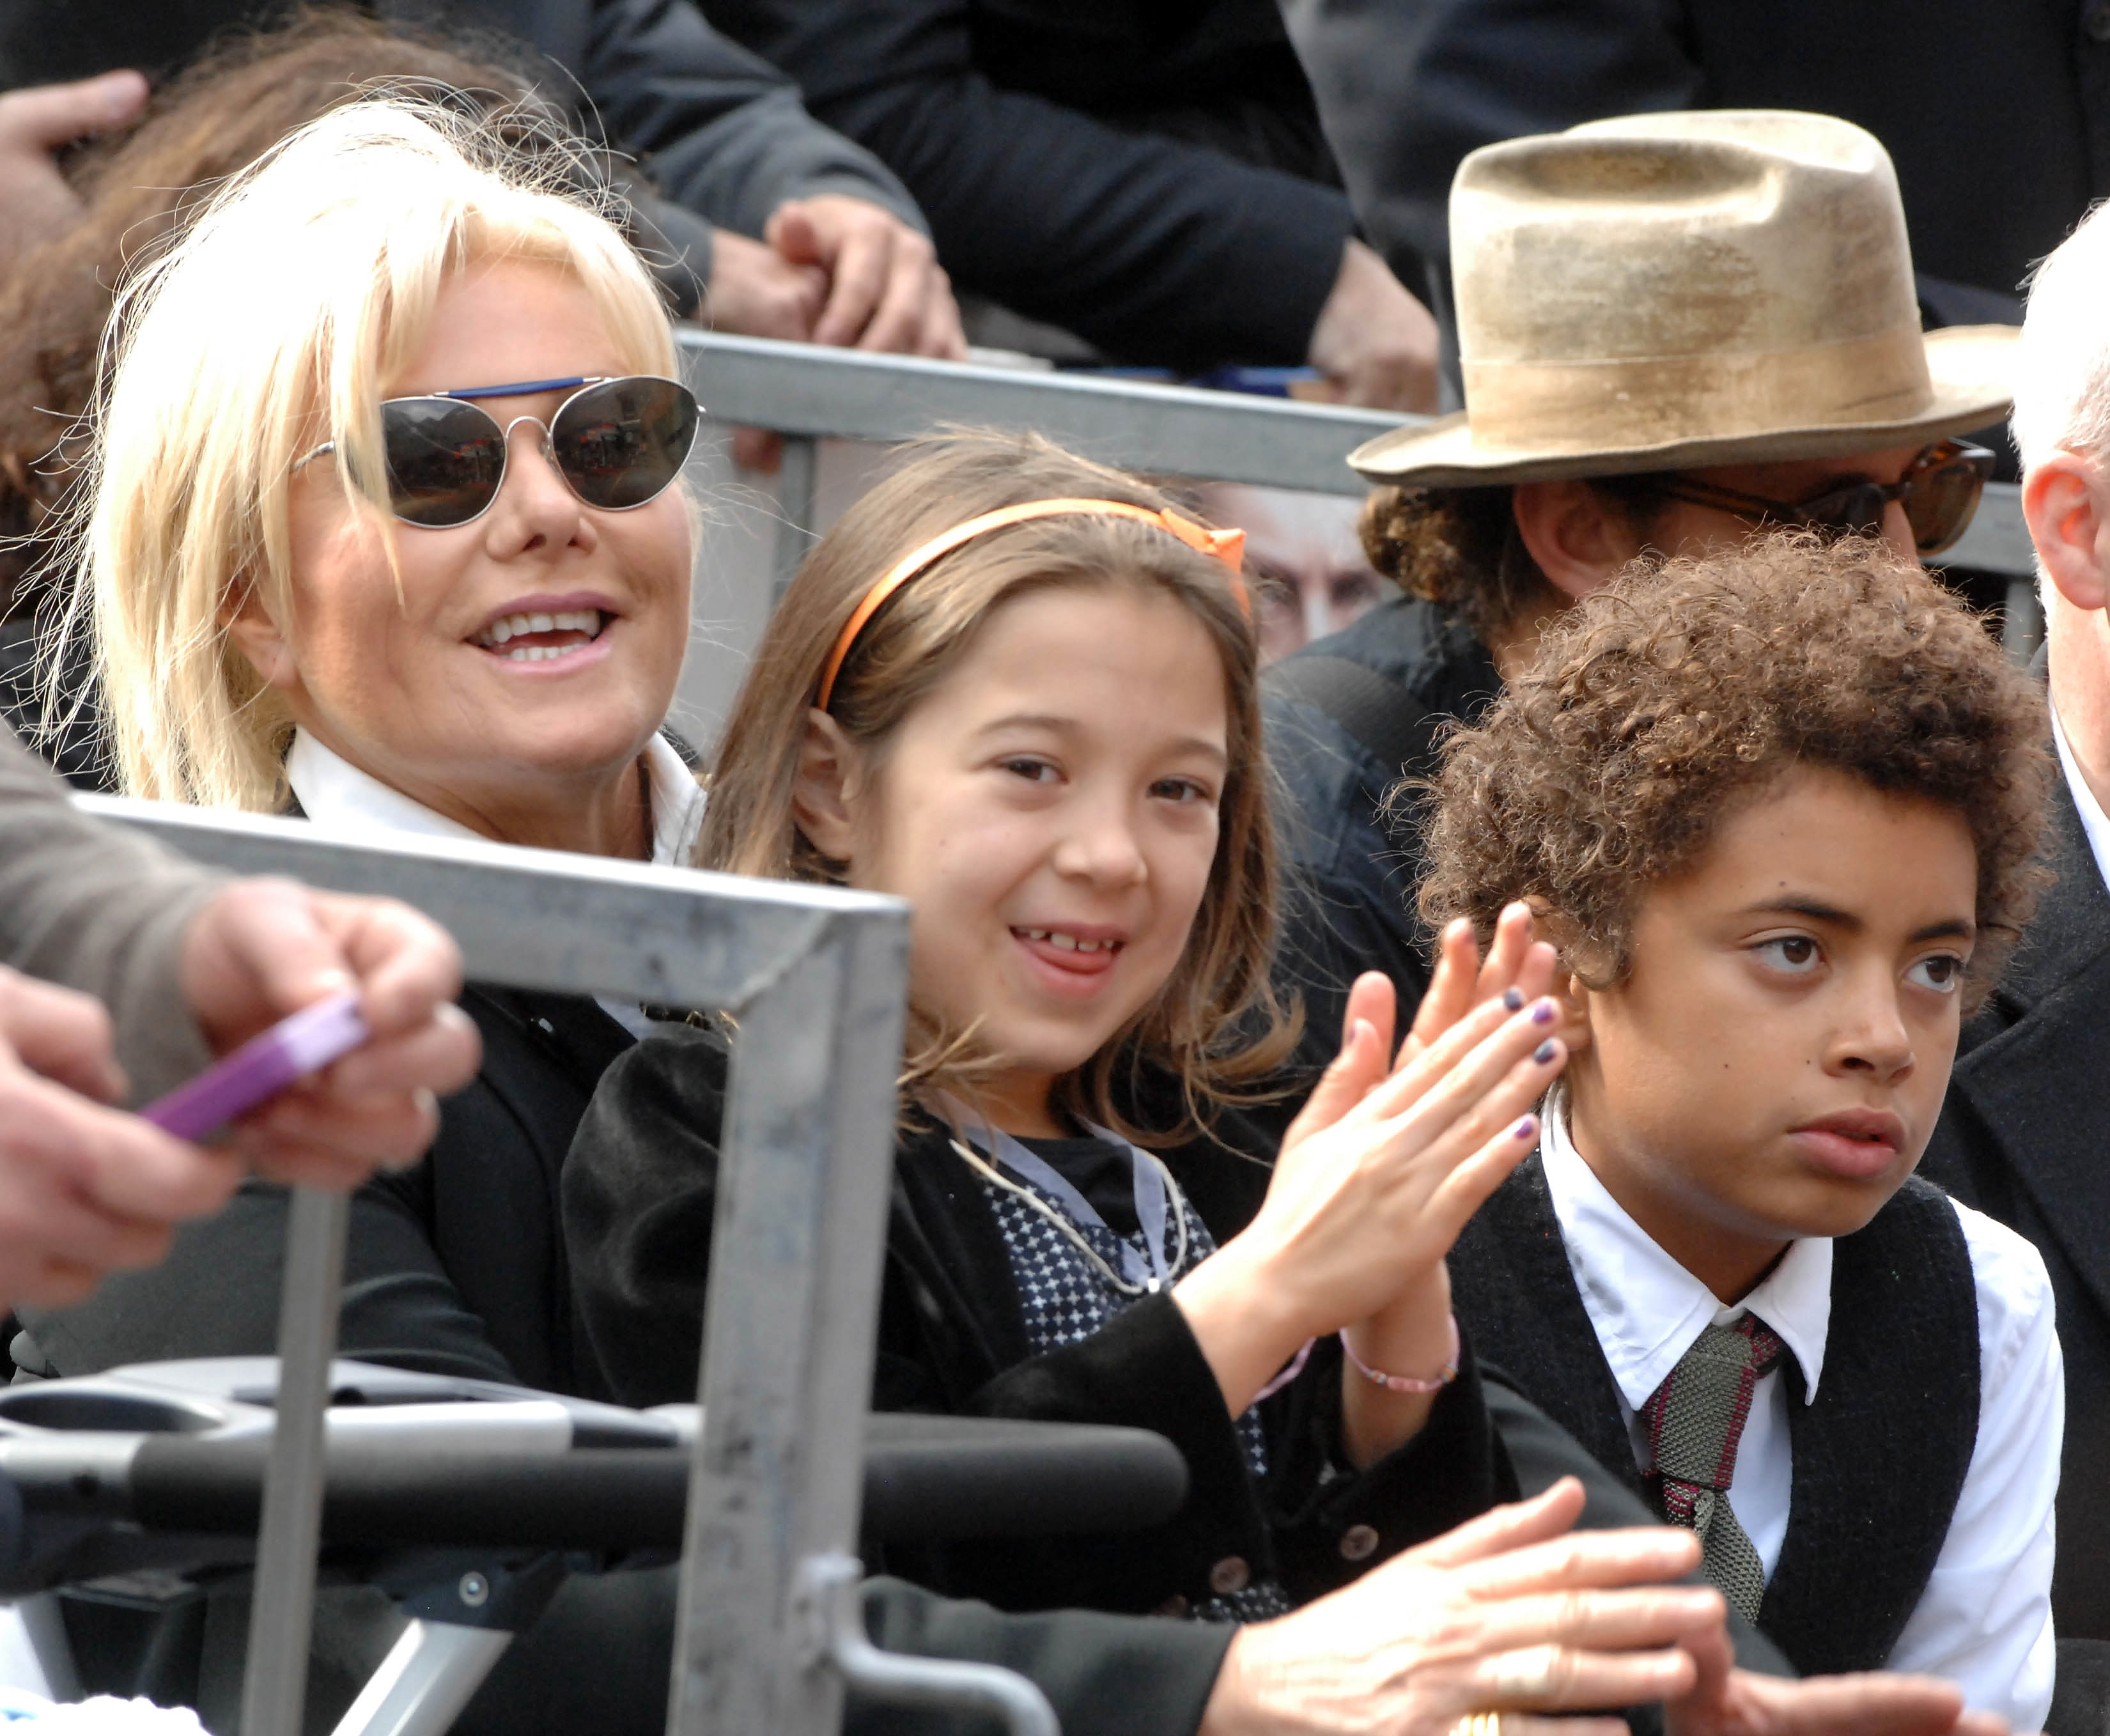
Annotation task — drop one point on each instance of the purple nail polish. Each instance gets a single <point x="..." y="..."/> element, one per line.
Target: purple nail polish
<point x="1544" y="1013"/>
<point x="1544" y="1053"/>
<point x="1513" y="999"/>
<point x="1527" y="1127"/>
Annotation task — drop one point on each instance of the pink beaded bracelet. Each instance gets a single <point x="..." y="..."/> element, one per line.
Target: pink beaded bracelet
<point x="1405" y="1383"/>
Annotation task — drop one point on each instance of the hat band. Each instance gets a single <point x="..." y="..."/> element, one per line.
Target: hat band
<point x="1621" y="402"/>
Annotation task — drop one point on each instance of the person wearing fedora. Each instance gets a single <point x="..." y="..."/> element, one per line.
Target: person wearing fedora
<point x="1675" y="329"/>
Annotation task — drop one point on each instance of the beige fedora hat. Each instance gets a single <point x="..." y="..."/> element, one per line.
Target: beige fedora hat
<point x="1665" y="292"/>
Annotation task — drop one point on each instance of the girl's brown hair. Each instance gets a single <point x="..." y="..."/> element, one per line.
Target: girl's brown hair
<point x="1214" y="1026"/>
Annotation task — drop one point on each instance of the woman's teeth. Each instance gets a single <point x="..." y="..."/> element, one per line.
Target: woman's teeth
<point x="1068" y="942"/>
<point x="587" y="621"/>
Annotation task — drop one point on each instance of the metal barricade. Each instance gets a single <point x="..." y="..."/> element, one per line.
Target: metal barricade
<point x="806" y="393"/>
<point x="817" y="979"/>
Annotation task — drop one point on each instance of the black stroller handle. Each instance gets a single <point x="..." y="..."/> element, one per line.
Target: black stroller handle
<point x="925" y="1479"/>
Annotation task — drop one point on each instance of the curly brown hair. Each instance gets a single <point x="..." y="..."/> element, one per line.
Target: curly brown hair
<point x="1458" y="547"/>
<point x="1687" y="684"/>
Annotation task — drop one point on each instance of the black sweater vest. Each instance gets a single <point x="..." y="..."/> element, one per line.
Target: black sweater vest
<point x="1880" y="1458"/>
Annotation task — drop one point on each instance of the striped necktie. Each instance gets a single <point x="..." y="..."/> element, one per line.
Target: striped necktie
<point x="1695" y="1420"/>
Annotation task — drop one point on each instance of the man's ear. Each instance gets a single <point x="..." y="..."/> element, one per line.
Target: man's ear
<point x="258" y="637"/>
<point x="2064" y="504"/>
<point x="824" y="797"/>
<point x="1579" y="537"/>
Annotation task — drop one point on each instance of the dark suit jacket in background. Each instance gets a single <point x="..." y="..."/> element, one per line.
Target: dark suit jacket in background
<point x="1352" y="864"/>
<point x="1997" y="115"/>
<point x="1117" y="169"/>
<point x="2024" y="1136"/>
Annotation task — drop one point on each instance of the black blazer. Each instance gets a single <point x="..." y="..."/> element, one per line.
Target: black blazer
<point x="640" y="1189"/>
<point x="455" y="1266"/>
<point x="2024" y="1136"/>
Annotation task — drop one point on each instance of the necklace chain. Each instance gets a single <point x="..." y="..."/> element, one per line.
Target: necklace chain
<point x="1174" y="1198"/>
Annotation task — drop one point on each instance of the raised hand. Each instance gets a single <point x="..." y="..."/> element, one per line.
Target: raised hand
<point x="1372" y="1186"/>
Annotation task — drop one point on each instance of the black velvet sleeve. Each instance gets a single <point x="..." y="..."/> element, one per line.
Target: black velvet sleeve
<point x="640" y="1190"/>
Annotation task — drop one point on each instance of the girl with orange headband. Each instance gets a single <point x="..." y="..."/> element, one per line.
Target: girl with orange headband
<point x="1018" y="689"/>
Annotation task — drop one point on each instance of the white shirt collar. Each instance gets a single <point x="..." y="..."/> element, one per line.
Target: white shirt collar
<point x="337" y="796"/>
<point x="1647" y="1309"/>
<point x="2092" y="820"/>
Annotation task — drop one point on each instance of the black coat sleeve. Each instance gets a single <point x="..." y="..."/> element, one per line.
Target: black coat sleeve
<point x="1156" y="251"/>
<point x="1407" y="87"/>
<point x="720" y="129"/>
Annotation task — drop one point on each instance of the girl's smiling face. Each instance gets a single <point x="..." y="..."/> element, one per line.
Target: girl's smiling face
<point x="1051" y="810"/>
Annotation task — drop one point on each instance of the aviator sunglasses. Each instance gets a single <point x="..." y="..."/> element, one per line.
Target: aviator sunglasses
<point x="616" y="442"/>
<point x="1939" y="491"/>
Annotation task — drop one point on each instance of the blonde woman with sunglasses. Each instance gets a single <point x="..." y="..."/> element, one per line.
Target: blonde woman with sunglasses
<point x="386" y="530"/>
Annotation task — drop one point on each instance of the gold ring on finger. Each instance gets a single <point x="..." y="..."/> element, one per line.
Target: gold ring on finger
<point x="1524" y="1675"/>
<point x="1478" y="1723"/>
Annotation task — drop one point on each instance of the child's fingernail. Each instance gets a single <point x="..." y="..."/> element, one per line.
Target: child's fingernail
<point x="1513" y="999"/>
<point x="1544" y="1053"/>
<point x="1527" y="1127"/>
<point x="1544" y="1013"/>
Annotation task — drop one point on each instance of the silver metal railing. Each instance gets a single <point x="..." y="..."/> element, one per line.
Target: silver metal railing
<point x="807" y="393"/>
<point x="817" y="979"/>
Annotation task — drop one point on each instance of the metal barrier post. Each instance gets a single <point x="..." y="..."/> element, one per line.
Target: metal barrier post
<point x="796" y="474"/>
<point x="787" y="1360"/>
<point x="818" y="978"/>
<point x="281" y="1611"/>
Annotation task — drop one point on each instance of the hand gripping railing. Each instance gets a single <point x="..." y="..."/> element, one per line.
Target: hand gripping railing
<point x="815" y="978"/>
<point x="807" y="391"/>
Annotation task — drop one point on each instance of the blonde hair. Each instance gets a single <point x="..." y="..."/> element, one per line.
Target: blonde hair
<point x="268" y="328"/>
<point x="1214" y="1030"/>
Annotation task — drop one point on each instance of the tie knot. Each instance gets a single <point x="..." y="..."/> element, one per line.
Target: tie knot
<point x="1696" y="1418"/>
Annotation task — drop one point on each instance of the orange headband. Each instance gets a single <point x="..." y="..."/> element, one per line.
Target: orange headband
<point x="1227" y="546"/>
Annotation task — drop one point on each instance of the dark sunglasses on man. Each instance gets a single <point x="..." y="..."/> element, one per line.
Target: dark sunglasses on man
<point x="1940" y="491"/>
<point x="616" y="442"/>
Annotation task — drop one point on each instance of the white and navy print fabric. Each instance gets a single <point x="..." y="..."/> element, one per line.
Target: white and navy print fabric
<point x="1063" y="1299"/>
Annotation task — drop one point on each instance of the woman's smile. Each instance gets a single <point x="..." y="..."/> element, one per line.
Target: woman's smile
<point x="547" y="635"/>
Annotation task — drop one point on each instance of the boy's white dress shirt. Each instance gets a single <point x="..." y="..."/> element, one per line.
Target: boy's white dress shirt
<point x="1985" y="1620"/>
<point x="336" y="796"/>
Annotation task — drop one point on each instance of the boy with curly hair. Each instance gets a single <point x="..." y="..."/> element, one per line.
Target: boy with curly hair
<point x="1777" y="808"/>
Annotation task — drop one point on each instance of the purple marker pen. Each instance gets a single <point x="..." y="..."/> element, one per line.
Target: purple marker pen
<point x="261" y="1068"/>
